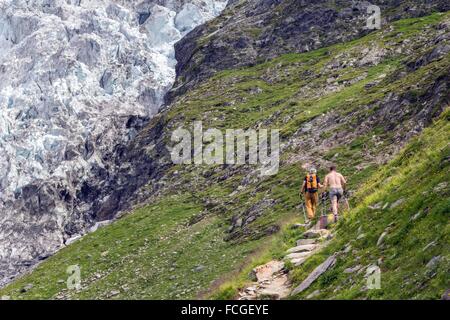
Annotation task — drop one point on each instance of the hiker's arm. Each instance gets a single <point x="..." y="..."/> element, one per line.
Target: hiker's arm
<point x="302" y="190"/>
<point x="318" y="183"/>
<point x="343" y="182"/>
<point x="325" y="182"/>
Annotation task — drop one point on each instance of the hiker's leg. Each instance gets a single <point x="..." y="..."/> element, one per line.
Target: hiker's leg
<point x="334" y="205"/>
<point x="337" y="206"/>
<point x="315" y="201"/>
<point x="339" y="195"/>
<point x="308" y="203"/>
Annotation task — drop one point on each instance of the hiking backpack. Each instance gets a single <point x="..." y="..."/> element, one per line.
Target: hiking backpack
<point x="311" y="183"/>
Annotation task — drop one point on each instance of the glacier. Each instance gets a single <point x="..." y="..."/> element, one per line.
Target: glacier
<point x="77" y="77"/>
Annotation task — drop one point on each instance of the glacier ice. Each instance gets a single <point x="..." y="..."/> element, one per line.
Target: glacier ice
<point x="72" y="73"/>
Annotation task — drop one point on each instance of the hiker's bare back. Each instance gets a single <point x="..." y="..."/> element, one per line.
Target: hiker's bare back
<point x="335" y="180"/>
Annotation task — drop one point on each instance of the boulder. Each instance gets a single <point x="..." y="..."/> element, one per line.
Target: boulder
<point x="361" y="236"/>
<point x="26" y="288"/>
<point x="199" y="268"/>
<point x="113" y="293"/>
<point x="433" y="263"/>
<point x="327" y="264"/>
<point x="440" y="187"/>
<point x="397" y="203"/>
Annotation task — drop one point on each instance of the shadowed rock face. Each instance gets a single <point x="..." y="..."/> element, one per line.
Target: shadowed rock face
<point x="249" y="32"/>
<point x="78" y="80"/>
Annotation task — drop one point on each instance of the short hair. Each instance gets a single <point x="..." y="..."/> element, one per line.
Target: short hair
<point x="333" y="168"/>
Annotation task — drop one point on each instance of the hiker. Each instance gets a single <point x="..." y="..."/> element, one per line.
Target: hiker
<point x="336" y="183"/>
<point x="310" y="188"/>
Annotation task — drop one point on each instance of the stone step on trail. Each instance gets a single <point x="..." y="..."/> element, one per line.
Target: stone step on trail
<point x="299" y="261"/>
<point x="276" y="290"/>
<point x="266" y="271"/>
<point x="302" y="242"/>
<point x="271" y="283"/>
<point x="298" y="255"/>
<point x="302" y="248"/>
<point x="271" y="279"/>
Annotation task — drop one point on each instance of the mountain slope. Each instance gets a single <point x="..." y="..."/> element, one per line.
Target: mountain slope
<point x="354" y="104"/>
<point x="400" y="224"/>
<point x="251" y="32"/>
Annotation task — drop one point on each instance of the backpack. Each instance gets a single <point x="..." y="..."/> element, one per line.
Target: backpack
<point x="311" y="183"/>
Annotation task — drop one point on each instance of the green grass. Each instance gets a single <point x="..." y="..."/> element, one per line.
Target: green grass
<point x="150" y="254"/>
<point x="412" y="177"/>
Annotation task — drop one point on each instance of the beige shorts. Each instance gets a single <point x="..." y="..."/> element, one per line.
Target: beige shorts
<point x="336" y="192"/>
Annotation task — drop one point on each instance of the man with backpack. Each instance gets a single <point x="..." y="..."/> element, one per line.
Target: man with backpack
<point x="310" y="188"/>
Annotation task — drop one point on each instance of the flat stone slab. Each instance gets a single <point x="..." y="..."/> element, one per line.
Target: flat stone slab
<point x="314" y="234"/>
<point x="327" y="264"/>
<point x="302" y="248"/>
<point x="302" y="242"/>
<point x="279" y="288"/>
<point x="298" y="255"/>
<point x="73" y="239"/>
<point x="266" y="271"/>
<point x="299" y="261"/>
<point x="272" y="283"/>
<point x="100" y="224"/>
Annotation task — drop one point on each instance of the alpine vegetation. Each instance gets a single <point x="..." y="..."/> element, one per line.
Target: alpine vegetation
<point x="228" y="148"/>
<point x="242" y="149"/>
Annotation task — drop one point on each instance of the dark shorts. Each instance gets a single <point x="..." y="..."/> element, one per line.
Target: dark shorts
<point x="336" y="192"/>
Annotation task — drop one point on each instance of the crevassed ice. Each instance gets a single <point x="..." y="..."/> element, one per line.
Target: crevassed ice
<point x="72" y="72"/>
<point x="66" y="67"/>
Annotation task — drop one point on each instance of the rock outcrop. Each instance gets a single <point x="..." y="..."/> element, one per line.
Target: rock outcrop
<point x="250" y="32"/>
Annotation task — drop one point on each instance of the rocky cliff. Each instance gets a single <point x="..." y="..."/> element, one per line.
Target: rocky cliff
<point x="251" y="32"/>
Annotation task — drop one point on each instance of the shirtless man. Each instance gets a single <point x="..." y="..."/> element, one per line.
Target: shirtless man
<point x="336" y="182"/>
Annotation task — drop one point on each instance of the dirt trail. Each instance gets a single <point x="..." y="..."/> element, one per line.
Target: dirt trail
<point x="272" y="278"/>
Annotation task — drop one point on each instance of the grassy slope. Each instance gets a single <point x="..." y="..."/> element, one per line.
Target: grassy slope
<point x="151" y="253"/>
<point x="418" y="230"/>
<point x="417" y="180"/>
